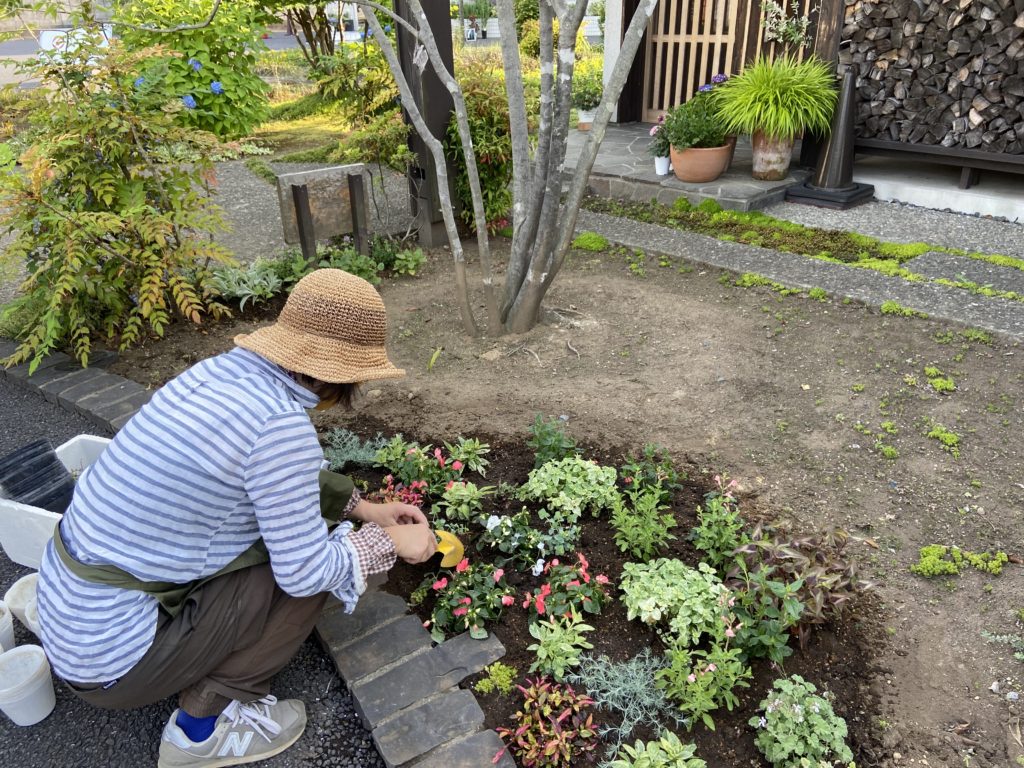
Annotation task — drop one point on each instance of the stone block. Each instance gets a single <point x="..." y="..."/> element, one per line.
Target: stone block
<point x="419" y="730"/>
<point x="337" y="629"/>
<point x="115" y="415"/>
<point x="21" y="371"/>
<point x="69" y="398"/>
<point x="123" y="389"/>
<point x="474" y="752"/>
<point x="54" y="387"/>
<point x="7" y="348"/>
<point x="376" y="650"/>
<point x="329" y="200"/>
<point x="424" y="675"/>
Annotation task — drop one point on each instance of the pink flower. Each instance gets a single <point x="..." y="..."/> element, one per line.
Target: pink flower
<point x="602" y="579"/>
<point x="456" y="466"/>
<point x="732" y="601"/>
<point x="460" y="611"/>
<point x="730" y="633"/>
<point x="553" y="563"/>
<point x="410" y="452"/>
<point x="654" y="129"/>
<point x="540" y="604"/>
<point x="691" y="679"/>
<point x="584" y="564"/>
<point x="545" y="590"/>
<point x="439" y="457"/>
<point x="528" y="600"/>
<point x="449" y="486"/>
<point x="573" y="583"/>
<point x="711" y="668"/>
<point x="498" y="574"/>
<point x="440" y="584"/>
<point x="461" y="567"/>
<point x="426" y="624"/>
<point x="507" y="600"/>
<point x="466" y="600"/>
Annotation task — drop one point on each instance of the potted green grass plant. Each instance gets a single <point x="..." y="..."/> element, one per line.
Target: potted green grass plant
<point x="587" y="90"/>
<point x="697" y="134"/>
<point x="775" y="101"/>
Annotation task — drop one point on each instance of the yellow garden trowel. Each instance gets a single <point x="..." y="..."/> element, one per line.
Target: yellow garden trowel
<point x="450" y="547"/>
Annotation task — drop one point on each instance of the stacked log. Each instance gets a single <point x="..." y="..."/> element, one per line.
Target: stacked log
<point x="941" y="72"/>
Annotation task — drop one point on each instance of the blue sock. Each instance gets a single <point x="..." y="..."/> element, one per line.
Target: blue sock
<point x="196" y="728"/>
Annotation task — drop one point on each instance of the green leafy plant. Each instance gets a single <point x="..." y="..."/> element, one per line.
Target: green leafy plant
<point x="781" y="27"/>
<point x="798" y="728"/>
<point x="720" y="530"/>
<point x="780" y="97"/>
<point x="569" y="487"/>
<point x="587" y="85"/>
<point x="560" y="641"/>
<point x="254" y="283"/>
<point x="459" y="504"/>
<point x="468" y="598"/>
<point x="939" y="381"/>
<point x="701" y="681"/>
<point x="213" y="70"/>
<point x="651" y="467"/>
<point x="628" y="689"/>
<point x="357" y="81"/>
<point x="939" y="560"/>
<point x="1015" y="642"/>
<point x="552" y="729"/>
<point x="383" y="140"/>
<point x="895" y="308"/>
<point x="666" y="752"/>
<point x="586" y="241"/>
<point x="548" y="439"/>
<point x="683" y="603"/>
<point x="949" y="440"/>
<point x="344" y="447"/>
<point x="470" y="451"/>
<point x="112" y="241"/>
<point x="411" y="462"/>
<point x="498" y="677"/>
<point x="642" y="527"/>
<point x="766" y="609"/>
<point x="695" y="124"/>
<point x="513" y="536"/>
<point x="568" y="589"/>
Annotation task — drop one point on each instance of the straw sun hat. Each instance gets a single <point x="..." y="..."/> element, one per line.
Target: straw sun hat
<point x="333" y="328"/>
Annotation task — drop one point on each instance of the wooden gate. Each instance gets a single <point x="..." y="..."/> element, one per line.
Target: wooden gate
<point x="691" y="41"/>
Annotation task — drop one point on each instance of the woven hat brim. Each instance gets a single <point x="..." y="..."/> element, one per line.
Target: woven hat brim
<point x="331" y="360"/>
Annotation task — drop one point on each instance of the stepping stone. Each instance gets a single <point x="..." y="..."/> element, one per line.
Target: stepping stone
<point x="114" y="415"/>
<point x="21" y="371"/>
<point x="936" y="265"/>
<point x="386" y="645"/>
<point x="52" y="389"/>
<point x="7" y="348"/>
<point x="425" y="675"/>
<point x="337" y="629"/>
<point x="69" y="398"/>
<point x="418" y="730"/>
<point x="476" y="751"/>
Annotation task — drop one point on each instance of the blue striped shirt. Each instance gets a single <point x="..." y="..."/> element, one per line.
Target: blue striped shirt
<point x="220" y="456"/>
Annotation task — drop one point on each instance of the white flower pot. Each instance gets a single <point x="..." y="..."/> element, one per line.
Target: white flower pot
<point x="585" y="118"/>
<point x="661" y="166"/>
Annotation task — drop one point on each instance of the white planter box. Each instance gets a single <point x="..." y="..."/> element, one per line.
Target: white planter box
<point x="24" y="529"/>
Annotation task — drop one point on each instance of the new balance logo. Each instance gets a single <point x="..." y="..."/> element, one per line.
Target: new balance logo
<point x="236" y="744"/>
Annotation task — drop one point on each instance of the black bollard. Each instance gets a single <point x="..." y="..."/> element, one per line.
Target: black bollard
<point x="833" y="185"/>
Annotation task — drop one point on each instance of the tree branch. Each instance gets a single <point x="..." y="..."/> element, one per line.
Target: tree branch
<point x="172" y="30"/>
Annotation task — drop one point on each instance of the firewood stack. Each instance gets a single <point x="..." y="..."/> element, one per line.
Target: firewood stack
<point x="942" y="72"/>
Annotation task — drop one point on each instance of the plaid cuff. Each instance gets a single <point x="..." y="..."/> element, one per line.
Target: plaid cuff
<point x="375" y="549"/>
<point x="352" y="502"/>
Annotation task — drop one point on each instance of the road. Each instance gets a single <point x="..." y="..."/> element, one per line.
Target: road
<point x="77" y="735"/>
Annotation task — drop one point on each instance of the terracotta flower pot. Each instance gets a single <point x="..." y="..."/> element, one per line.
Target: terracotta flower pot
<point x="771" y="157"/>
<point x="697" y="165"/>
<point x="585" y="118"/>
<point x="730" y="141"/>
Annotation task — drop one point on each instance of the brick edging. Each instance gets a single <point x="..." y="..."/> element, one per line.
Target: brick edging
<point x="106" y="400"/>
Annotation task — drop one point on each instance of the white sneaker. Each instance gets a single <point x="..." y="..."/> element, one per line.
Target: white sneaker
<point x="244" y="733"/>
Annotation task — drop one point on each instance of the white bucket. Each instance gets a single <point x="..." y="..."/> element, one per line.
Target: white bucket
<point x="32" y="616"/>
<point x="6" y="628"/>
<point x="26" y="688"/>
<point x="17" y="597"/>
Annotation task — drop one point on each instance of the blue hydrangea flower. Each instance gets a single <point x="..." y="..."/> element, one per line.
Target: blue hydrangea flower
<point x="189" y="101"/>
<point x="195" y="64"/>
<point x="387" y="28"/>
<point x="705" y="88"/>
<point x="216" y="87"/>
<point x="719" y="78"/>
<point x="369" y="33"/>
<point x="139" y="82"/>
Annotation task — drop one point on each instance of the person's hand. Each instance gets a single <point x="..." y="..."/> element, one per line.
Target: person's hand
<point x="414" y="543"/>
<point x="389" y="514"/>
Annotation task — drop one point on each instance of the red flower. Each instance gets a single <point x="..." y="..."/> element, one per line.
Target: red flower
<point x="460" y="611"/>
<point x="456" y="466"/>
<point x="540" y="604"/>
<point x="498" y="574"/>
<point x="440" y="584"/>
<point x="573" y="583"/>
<point x="466" y="600"/>
<point x="545" y="590"/>
<point x="507" y="600"/>
<point x="583" y="562"/>
<point x="461" y="567"/>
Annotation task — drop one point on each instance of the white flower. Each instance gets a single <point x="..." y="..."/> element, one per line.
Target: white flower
<point x="540" y="546"/>
<point x="762" y="723"/>
<point x="538" y="567"/>
<point x="493" y="522"/>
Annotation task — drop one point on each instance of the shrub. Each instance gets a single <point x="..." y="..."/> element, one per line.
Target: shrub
<point x="798" y="728"/>
<point x="665" y="593"/>
<point x="590" y="241"/>
<point x="642" y="528"/>
<point x="472" y="598"/>
<point x="720" y="530"/>
<point x="695" y="124"/>
<point x="552" y="729"/>
<point x="358" y="80"/>
<point x="560" y="642"/>
<point x="667" y="752"/>
<point x="701" y="681"/>
<point x="587" y="84"/>
<point x="651" y="467"/>
<point x="569" y="487"/>
<point x="382" y="140"/>
<point x="525" y="10"/>
<point x="112" y="241"/>
<point x="215" y="72"/>
<point x="548" y="439"/>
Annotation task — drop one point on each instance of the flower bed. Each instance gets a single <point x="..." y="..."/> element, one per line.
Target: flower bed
<point x="643" y="565"/>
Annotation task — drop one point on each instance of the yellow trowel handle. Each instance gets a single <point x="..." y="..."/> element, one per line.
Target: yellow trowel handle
<point x="448" y="544"/>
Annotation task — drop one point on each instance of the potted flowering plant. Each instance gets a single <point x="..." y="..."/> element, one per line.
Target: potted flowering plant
<point x="660" y="147"/>
<point x="696" y="134"/>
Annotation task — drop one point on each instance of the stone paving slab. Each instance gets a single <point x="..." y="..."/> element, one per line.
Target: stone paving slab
<point x="427" y="726"/>
<point x="953" y="304"/>
<point x="69" y="398"/>
<point x="422" y="676"/>
<point x="115" y="415"/>
<point x="22" y="371"/>
<point x="337" y="629"/>
<point x="474" y="752"/>
<point x="106" y="397"/>
<point x="387" y="645"/>
<point x="52" y="389"/>
<point x="936" y="264"/>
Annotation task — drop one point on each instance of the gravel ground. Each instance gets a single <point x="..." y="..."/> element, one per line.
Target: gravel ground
<point x="80" y="736"/>
<point x="902" y="223"/>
